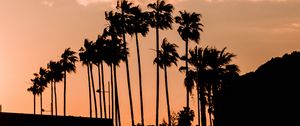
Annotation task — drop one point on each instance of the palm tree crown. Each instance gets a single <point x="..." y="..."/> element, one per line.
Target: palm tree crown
<point x="189" y="26"/>
<point x="168" y="55"/>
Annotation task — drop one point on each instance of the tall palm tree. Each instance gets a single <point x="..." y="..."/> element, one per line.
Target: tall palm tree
<point x="138" y="24"/>
<point x="114" y="56"/>
<point x="125" y="8"/>
<point x="34" y="90"/>
<point x="161" y="18"/>
<point x="189" y="29"/>
<point x="68" y="60"/>
<point x="98" y="60"/>
<point x="86" y="55"/>
<point x="55" y="73"/>
<point x="167" y="56"/>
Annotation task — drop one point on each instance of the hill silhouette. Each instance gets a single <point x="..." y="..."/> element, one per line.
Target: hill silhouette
<point x="267" y="96"/>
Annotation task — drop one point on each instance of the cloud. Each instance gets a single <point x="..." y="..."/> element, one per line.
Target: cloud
<point x="284" y="28"/>
<point x="88" y="2"/>
<point x="210" y="1"/>
<point x="47" y="3"/>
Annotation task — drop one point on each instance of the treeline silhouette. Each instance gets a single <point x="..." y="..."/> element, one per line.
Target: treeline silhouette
<point x="267" y="96"/>
<point x="223" y="96"/>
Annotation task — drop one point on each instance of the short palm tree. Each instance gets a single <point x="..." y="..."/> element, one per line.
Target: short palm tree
<point x="167" y="56"/>
<point x="68" y="60"/>
<point x="189" y="29"/>
<point x="219" y="62"/>
<point x="42" y="84"/>
<point x="199" y="60"/>
<point x="34" y="90"/>
<point x="160" y="18"/>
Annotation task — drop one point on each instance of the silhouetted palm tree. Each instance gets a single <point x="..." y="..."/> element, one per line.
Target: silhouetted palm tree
<point x="189" y="29"/>
<point x="167" y="56"/>
<point x="68" y="60"/>
<point x="199" y="60"/>
<point x="185" y="117"/>
<point x="161" y="18"/>
<point x="98" y="61"/>
<point x="219" y="62"/>
<point x="125" y="8"/>
<point x="34" y="89"/>
<point x="86" y="55"/>
<point x="138" y="24"/>
<point x="55" y="74"/>
<point x="42" y="84"/>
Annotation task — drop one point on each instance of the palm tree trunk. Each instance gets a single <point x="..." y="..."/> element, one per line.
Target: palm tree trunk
<point x="203" y="106"/>
<point x="128" y="82"/>
<point x="118" y="118"/>
<point x="103" y="93"/>
<point x="41" y="98"/>
<point x="140" y="77"/>
<point x="33" y="104"/>
<point x="198" y="95"/>
<point x="210" y="104"/>
<point x="198" y="102"/>
<point x="52" y="98"/>
<point x="157" y="75"/>
<point x="167" y="95"/>
<point x="108" y="99"/>
<point x="90" y="93"/>
<point x="55" y="99"/>
<point x="93" y="86"/>
<point x="100" y="98"/>
<point x="186" y="73"/>
<point x="112" y="92"/>
<point x="65" y="91"/>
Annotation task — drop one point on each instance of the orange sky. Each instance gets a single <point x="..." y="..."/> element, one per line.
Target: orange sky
<point x="33" y="32"/>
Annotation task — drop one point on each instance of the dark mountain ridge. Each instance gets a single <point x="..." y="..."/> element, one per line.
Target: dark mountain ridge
<point x="268" y="96"/>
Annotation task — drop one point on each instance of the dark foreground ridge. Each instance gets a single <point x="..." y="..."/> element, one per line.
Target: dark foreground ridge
<point x="17" y="119"/>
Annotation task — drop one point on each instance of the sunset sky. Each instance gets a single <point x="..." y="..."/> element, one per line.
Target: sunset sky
<point x="33" y="32"/>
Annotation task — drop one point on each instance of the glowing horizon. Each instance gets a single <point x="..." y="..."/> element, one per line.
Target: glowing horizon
<point x="34" y="32"/>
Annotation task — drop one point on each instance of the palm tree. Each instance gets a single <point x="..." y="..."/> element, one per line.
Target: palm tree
<point x="86" y="55"/>
<point x="98" y="60"/>
<point x="114" y="47"/>
<point x="67" y="61"/>
<point x="189" y="29"/>
<point x="49" y="79"/>
<point x="167" y="56"/>
<point x="34" y="89"/>
<point x="55" y="74"/>
<point x="125" y="9"/>
<point x="199" y="60"/>
<point x="116" y="55"/>
<point x="219" y="62"/>
<point x="161" y="18"/>
<point x="138" y="24"/>
<point x="42" y="83"/>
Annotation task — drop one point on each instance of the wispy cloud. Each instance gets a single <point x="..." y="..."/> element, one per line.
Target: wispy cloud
<point x="246" y="0"/>
<point x="47" y="3"/>
<point x="88" y="2"/>
<point x="285" y="28"/>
